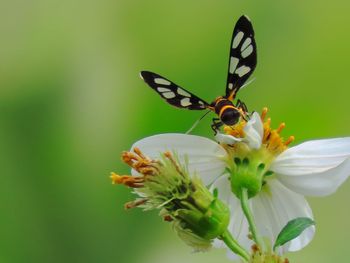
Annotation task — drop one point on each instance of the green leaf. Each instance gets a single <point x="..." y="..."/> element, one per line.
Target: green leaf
<point x="292" y="230"/>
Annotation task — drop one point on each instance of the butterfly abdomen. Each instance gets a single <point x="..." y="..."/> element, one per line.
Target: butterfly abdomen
<point x="228" y="113"/>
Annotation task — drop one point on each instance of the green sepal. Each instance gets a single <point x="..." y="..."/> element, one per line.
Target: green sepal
<point x="206" y="217"/>
<point x="248" y="169"/>
<point x="293" y="229"/>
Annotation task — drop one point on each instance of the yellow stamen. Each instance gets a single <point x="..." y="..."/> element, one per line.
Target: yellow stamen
<point x="263" y="113"/>
<point x="267" y="130"/>
<point x="275" y="143"/>
<point x="289" y="140"/>
<point x="271" y="138"/>
<point x="236" y="130"/>
<point x="139" y="153"/>
<point x="281" y="127"/>
<point x="128" y="180"/>
<point x="143" y="165"/>
<point x="139" y="162"/>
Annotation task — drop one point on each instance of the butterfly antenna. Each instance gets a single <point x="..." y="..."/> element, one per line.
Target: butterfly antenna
<point x="197" y="121"/>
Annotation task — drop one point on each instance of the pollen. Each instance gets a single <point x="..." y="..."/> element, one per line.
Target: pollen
<point x="139" y="162"/>
<point x="128" y="180"/>
<point x="272" y="138"/>
<point x="236" y="130"/>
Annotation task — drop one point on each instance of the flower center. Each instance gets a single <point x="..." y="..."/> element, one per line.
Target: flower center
<point x="248" y="166"/>
<point x="272" y="139"/>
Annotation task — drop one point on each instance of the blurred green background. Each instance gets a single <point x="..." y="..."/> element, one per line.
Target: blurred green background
<point x="71" y="101"/>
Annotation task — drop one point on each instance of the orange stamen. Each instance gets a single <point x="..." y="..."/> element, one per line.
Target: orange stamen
<point x="272" y="138"/>
<point x="281" y="127"/>
<point x="263" y="113"/>
<point x="290" y="140"/>
<point x="139" y="162"/>
<point x="237" y="130"/>
<point x="139" y="153"/>
<point x="128" y="180"/>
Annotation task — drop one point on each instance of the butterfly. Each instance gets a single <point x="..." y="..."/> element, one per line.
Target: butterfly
<point x="242" y="62"/>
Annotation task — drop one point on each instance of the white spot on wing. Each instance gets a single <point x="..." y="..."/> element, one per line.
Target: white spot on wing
<point x="242" y="70"/>
<point x="233" y="64"/>
<point x="230" y="86"/>
<point x="185" y="102"/>
<point x="183" y="92"/>
<point x="247" y="51"/>
<point x="246" y="43"/>
<point x="160" y="89"/>
<point x="162" y="81"/>
<point x="201" y="104"/>
<point x="237" y="39"/>
<point x="169" y="95"/>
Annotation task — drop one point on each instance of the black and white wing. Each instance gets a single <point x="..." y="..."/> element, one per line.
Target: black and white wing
<point x="242" y="56"/>
<point x="172" y="93"/>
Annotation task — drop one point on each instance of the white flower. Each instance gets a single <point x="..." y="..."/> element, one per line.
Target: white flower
<point x="313" y="168"/>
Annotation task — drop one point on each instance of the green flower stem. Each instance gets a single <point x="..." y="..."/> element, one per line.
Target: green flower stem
<point x="234" y="245"/>
<point x="249" y="216"/>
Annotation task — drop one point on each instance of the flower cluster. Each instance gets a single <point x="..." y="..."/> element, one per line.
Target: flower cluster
<point x="197" y="214"/>
<point x="250" y="171"/>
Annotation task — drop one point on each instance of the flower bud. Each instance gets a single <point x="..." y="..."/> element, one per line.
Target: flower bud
<point x="198" y="215"/>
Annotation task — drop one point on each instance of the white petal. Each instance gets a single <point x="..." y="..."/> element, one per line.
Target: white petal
<point x="226" y="139"/>
<point x="274" y="207"/>
<point x="205" y="157"/>
<point x="223" y="185"/>
<point x="312" y="157"/>
<point x="318" y="184"/>
<point x="254" y="131"/>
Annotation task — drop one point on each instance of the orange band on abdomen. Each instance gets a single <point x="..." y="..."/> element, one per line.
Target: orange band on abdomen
<point x="224" y="108"/>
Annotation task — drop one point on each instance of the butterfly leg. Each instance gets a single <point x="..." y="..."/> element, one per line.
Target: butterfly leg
<point x="242" y="106"/>
<point x="244" y="110"/>
<point x="217" y="123"/>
